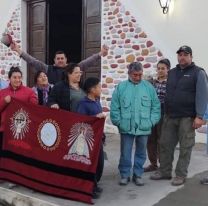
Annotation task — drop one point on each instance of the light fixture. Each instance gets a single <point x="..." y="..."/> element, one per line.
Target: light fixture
<point x="165" y="5"/>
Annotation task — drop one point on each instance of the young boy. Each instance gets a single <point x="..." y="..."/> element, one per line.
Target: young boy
<point x="90" y="105"/>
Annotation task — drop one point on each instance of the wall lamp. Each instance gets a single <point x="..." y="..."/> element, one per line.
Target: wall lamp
<point x="165" y="5"/>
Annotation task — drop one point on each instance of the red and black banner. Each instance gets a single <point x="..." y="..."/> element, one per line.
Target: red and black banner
<point x="52" y="151"/>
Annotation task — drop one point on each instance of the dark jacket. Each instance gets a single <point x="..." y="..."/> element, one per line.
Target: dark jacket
<point x="89" y="107"/>
<point x="182" y="88"/>
<point x="55" y="74"/>
<point x="60" y="94"/>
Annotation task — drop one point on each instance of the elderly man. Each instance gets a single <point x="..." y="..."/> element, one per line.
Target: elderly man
<point x="55" y="72"/>
<point x="135" y="108"/>
<point x="185" y="104"/>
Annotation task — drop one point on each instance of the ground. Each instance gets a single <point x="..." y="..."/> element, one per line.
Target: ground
<point x="154" y="193"/>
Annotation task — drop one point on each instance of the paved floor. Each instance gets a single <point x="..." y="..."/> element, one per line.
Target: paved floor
<point x="158" y="193"/>
<point x="192" y="194"/>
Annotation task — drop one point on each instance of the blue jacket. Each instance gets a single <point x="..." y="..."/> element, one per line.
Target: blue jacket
<point x="89" y="107"/>
<point x="135" y="108"/>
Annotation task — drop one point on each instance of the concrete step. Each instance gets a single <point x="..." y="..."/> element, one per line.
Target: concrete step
<point x="16" y="195"/>
<point x="8" y="197"/>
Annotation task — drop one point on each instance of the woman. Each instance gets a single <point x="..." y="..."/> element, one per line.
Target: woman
<point x="67" y="93"/>
<point x="16" y="90"/>
<point x="42" y="87"/>
<point x="163" y="67"/>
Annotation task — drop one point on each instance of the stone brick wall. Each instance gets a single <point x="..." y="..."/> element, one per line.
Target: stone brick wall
<point x="7" y="58"/>
<point x="128" y="42"/>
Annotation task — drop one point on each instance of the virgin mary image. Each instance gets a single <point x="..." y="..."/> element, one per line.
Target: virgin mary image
<point x="80" y="146"/>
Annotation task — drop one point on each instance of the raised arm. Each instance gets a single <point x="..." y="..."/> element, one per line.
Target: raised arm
<point x="90" y="61"/>
<point x="35" y="63"/>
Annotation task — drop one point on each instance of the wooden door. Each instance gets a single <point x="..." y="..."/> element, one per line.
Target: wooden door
<point x="91" y="42"/>
<point x="36" y="33"/>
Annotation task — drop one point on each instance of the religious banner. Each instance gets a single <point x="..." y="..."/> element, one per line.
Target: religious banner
<point x="51" y="151"/>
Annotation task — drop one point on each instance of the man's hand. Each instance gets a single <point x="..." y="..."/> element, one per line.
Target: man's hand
<point x="101" y="115"/>
<point x="7" y="99"/>
<point x="198" y="122"/>
<point x="15" y="47"/>
<point x="104" y="51"/>
<point x="55" y="106"/>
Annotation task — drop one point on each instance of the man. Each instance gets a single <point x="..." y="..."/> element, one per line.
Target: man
<point x="185" y="104"/>
<point x="163" y="66"/>
<point x="55" y="72"/>
<point x="135" y="108"/>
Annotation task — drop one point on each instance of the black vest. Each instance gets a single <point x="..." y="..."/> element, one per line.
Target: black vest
<point x="60" y="94"/>
<point x="181" y="91"/>
<point x="55" y="74"/>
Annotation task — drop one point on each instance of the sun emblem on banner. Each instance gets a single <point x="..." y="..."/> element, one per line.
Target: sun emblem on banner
<point x="20" y="124"/>
<point x="49" y="134"/>
<point x="80" y="143"/>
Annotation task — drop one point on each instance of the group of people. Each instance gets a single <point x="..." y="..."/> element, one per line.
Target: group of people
<point x="57" y="86"/>
<point x="156" y="114"/>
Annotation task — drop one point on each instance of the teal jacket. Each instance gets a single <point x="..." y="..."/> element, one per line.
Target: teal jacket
<point x="135" y="108"/>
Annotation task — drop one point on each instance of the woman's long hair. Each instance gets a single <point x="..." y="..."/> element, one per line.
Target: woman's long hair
<point x="69" y="70"/>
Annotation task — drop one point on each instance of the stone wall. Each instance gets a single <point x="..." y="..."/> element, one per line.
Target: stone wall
<point x="7" y="57"/>
<point x="128" y="42"/>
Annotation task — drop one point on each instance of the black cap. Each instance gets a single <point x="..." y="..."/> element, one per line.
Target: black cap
<point x="185" y="49"/>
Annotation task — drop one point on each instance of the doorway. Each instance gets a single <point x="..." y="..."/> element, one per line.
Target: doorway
<point x="65" y="29"/>
<point x="71" y="26"/>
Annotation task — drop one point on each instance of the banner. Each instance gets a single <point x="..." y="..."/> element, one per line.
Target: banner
<point x="52" y="151"/>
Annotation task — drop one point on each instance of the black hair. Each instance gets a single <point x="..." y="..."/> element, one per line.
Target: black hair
<point x="37" y="74"/>
<point x="12" y="70"/>
<point x="69" y="70"/>
<point x="135" y="66"/>
<point x="90" y="83"/>
<point x="166" y="62"/>
<point x="60" y="52"/>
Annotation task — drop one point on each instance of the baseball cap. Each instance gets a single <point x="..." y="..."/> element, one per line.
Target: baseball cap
<point x="185" y="49"/>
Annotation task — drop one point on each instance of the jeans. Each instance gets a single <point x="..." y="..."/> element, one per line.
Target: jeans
<point x="125" y="163"/>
